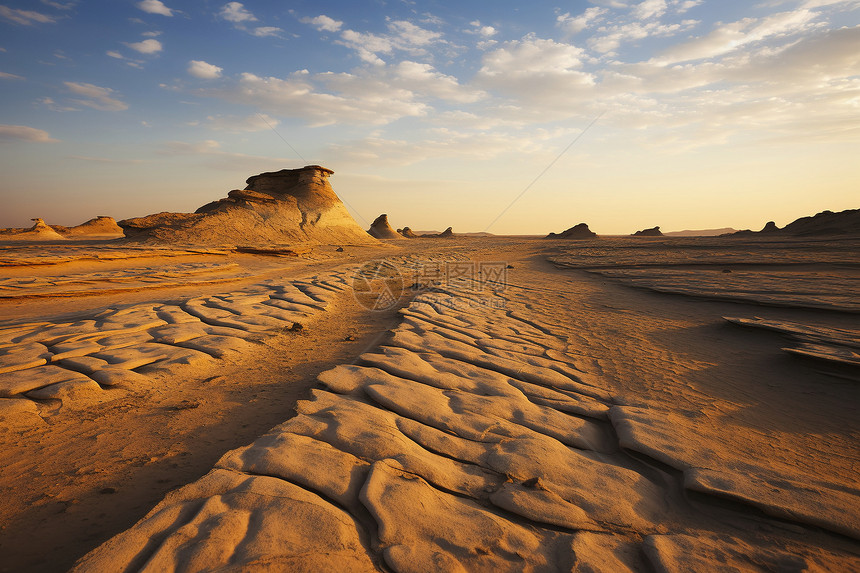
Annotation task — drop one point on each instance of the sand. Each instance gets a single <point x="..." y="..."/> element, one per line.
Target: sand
<point x="507" y="404"/>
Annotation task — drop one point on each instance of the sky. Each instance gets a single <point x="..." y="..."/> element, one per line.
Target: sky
<point x="499" y="116"/>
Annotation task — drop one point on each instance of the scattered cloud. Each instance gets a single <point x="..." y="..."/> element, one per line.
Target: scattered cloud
<point x="24" y="133"/>
<point x="402" y="36"/>
<point x="650" y="9"/>
<point x="323" y="23"/>
<point x="266" y="31"/>
<point x="576" y="24"/>
<point x="151" y="34"/>
<point x="115" y="54"/>
<point x="96" y="97"/>
<point x="729" y="37"/>
<point x="54" y="106"/>
<point x="485" y="31"/>
<point x="25" y="17"/>
<point x="235" y="12"/>
<point x="154" y="7"/>
<point x="150" y="46"/>
<point x="6" y="76"/>
<point x="60" y="5"/>
<point x="236" y="124"/>
<point x="204" y="70"/>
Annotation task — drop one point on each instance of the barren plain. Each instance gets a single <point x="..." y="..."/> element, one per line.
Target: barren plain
<point x="456" y="404"/>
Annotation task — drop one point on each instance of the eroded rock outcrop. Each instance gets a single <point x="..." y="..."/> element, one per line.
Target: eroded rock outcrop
<point x="98" y="226"/>
<point x="381" y="229"/>
<point x="40" y="231"/>
<point x="653" y="232"/>
<point x="287" y="206"/>
<point x="407" y="232"/>
<point x="580" y="231"/>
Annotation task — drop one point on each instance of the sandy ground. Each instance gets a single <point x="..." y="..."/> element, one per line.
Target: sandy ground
<point x="643" y="430"/>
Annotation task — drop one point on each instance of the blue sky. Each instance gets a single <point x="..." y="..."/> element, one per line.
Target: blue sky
<point x="709" y="114"/>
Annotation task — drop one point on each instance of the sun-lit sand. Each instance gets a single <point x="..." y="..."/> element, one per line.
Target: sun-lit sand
<point x="457" y="404"/>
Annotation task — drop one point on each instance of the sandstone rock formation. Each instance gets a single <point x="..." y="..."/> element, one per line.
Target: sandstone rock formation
<point x="40" y="231"/>
<point x="407" y="232"/>
<point x="449" y="232"/>
<point x="580" y="231"/>
<point x="99" y="226"/>
<point x="287" y="206"/>
<point x="826" y="223"/>
<point x="654" y="232"/>
<point x="381" y="229"/>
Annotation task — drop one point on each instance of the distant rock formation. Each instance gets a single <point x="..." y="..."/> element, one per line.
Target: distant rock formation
<point x="701" y="232"/>
<point x="826" y="223"/>
<point x="281" y="207"/>
<point x="653" y="232"/>
<point x="443" y="235"/>
<point x="99" y="226"/>
<point x="407" y="232"/>
<point x="40" y="231"/>
<point x="381" y="229"/>
<point x="580" y="231"/>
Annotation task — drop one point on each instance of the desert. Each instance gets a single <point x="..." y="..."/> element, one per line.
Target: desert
<point x="408" y="287"/>
<point x="576" y="402"/>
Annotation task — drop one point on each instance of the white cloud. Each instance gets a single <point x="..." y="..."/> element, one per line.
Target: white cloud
<point x="576" y="24"/>
<point x="54" y="106"/>
<point x="266" y="31"/>
<point x="682" y="6"/>
<point x="728" y="37"/>
<point x="251" y="123"/>
<point x="115" y="54"/>
<point x="24" y="17"/>
<point x="485" y="31"/>
<point x="149" y="46"/>
<point x="151" y="34"/>
<point x="323" y="23"/>
<point x="5" y="76"/>
<point x="404" y="36"/>
<point x="60" y="6"/>
<point x="96" y="97"/>
<point x="610" y="37"/>
<point x="204" y="70"/>
<point x="650" y="9"/>
<point x="235" y="12"/>
<point x="24" y="133"/>
<point x="154" y="7"/>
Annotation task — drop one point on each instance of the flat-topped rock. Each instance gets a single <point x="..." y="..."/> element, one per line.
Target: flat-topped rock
<point x="652" y="232"/>
<point x="280" y="207"/>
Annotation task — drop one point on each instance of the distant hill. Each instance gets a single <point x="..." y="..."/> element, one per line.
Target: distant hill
<point x="701" y="232"/>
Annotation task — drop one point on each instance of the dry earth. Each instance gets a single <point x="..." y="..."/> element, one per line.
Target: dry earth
<point x="533" y="418"/>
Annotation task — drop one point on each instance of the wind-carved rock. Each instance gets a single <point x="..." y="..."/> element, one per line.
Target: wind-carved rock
<point x="381" y="229"/>
<point x="580" y="231"/>
<point x="287" y="206"/>
<point x="653" y="232"/>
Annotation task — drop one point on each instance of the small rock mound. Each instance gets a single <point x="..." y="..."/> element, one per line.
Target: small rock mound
<point x="449" y="232"/>
<point x="580" y="231"/>
<point x="381" y="229"/>
<point x="99" y="226"/>
<point x="653" y="232"/>
<point x="40" y="231"/>
<point x="770" y="228"/>
<point x="407" y="232"/>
